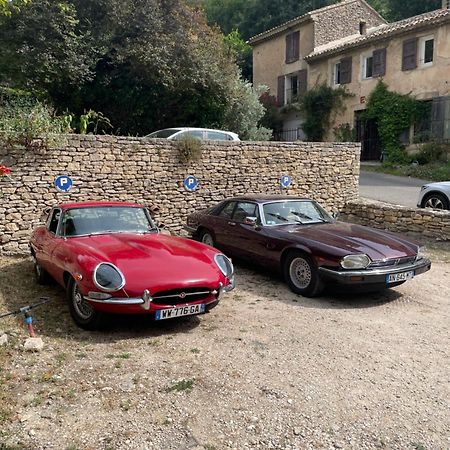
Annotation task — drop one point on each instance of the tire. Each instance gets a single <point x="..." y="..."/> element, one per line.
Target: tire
<point x="435" y="201"/>
<point x="41" y="275"/>
<point x="206" y="237"/>
<point x="301" y="275"/>
<point x="83" y="314"/>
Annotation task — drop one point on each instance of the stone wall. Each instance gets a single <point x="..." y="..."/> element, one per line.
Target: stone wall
<point x="428" y="222"/>
<point x="149" y="172"/>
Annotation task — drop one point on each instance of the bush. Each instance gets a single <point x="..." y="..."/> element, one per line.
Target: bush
<point x="29" y="123"/>
<point x="189" y="149"/>
<point x="431" y="152"/>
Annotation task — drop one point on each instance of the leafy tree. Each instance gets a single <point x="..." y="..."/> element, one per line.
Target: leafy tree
<point x="241" y="51"/>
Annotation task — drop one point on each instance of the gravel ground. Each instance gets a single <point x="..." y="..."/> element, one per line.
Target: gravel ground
<point x="266" y="369"/>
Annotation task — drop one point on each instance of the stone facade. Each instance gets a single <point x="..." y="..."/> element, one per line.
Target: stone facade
<point x="149" y="172"/>
<point x="435" y="224"/>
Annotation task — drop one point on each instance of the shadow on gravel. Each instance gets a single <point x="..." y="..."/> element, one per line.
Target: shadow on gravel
<point x="18" y="288"/>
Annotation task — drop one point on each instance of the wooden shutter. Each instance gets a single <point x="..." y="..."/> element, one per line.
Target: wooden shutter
<point x="280" y="92"/>
<point x="379" y="62"/>
<point x="292" y="47"/>
<point x="346" y="70"/>
<point x="409" y="57"/>
<point x="302" y="81"/>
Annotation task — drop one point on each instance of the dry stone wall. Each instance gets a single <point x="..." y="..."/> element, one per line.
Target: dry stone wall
<point x="149" y="172"/>
<point x="431" y="223"/>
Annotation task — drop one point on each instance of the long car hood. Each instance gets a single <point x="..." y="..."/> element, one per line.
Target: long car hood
<point x="152" y="261"/>
<point x="343" y="238"/>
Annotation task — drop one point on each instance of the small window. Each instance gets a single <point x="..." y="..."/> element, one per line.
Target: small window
<point x="292" y="47"/>
<point x="362" y="27"/>
<point x="337" y="73"/>
<point x="227" y="210"/>
<point x="426" y="51"/>
<point x="368" y="67"/>
<point x="54" y="221"/>
<point x="217" y="136"/>
<point x="291" y="88"/>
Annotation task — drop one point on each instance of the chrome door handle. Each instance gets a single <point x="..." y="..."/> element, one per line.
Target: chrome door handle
<point x="233" y="224"/>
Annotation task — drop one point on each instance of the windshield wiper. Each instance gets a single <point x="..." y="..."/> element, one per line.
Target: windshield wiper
<point x="305" y="216"/>
<point x="279" y="217"/>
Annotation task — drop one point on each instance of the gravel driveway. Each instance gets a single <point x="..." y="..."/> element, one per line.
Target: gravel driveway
<point x="266" y="369"/>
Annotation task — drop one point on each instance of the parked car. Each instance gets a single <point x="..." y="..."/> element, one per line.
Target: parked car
<point x="298" y="237"/>
<point x="199" y="133"/>
<point x="435" y="195"/>
<point x="110" y="257"/>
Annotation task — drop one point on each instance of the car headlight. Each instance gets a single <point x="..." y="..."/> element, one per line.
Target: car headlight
<point x="421" y="252"/>
<point x="108" y="277"/>
<point x="225" y="265"/>
<point x="355" y="261"/>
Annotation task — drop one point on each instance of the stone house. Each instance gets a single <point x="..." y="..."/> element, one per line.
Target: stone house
<point x="349" y="44"/>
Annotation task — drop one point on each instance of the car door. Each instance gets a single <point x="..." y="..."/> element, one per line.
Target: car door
<point x="222" y="226"/>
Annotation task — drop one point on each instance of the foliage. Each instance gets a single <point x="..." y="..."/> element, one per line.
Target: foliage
<point x="96" y="119"/>
<point x="432" y="152"/>
<point x="241" y="52"/>
<point x="272" y="118"/>
<point x="319" y="105"/>
<point x="189" y="149"/>
<point x="344" y="133"/>
<point x="29" y="123"/>
<point x="244" y="111"/>
<point x="393" y="114"/>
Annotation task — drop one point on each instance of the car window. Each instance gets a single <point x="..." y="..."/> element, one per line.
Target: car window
<point x="227" y="210"/>
<point x="54" y="220"/>
<point x="163" y="133"/>
<point x="198" y="134"/>
<point x="245" y="209"/>
<point x="217" y="136"/>
<point x="294" y="211"/>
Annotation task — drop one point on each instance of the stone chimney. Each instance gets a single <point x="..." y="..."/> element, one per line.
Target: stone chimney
<point x="445" y="4"/>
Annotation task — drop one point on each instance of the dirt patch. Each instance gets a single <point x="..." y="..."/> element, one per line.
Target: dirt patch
<point x="266" y="369"/>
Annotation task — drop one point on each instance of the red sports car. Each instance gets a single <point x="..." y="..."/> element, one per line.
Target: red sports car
<point x="296" y="236"/>
<point x="111" y="258"/>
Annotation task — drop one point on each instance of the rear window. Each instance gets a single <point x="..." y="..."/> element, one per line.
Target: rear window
<point x="217" y="136"/>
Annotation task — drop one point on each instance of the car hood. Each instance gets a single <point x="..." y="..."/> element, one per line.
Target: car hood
<point x="151" y="261"/>
<point x="343" y="239"/>
<point x="439" y="185"/>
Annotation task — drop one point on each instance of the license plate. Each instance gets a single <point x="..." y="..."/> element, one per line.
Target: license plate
<point x="402" y="276"/>
<point x="171" y="313"/>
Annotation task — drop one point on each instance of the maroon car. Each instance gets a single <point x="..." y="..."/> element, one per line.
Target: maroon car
<point x="296" y="236"/>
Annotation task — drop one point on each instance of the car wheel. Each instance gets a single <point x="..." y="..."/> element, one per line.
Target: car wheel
<point x="42" y="277"/>
<point x="207" y="238"/>
<point x="435" y="201"/>
<point x="82" y="312"/>
<point x="301" y="275"/>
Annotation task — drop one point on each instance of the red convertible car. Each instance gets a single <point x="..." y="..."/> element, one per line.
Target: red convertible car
<point x="296" y="236"/>
<point x="110" y="257"/>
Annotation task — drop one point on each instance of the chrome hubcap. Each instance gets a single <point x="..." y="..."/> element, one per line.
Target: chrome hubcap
<point x="208" y="240"/>
<point x="434" y="202"/>
<point x="81" y="306"/>
<point x="300" y="273"/>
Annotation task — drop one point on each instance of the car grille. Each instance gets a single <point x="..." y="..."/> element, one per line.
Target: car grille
<point x="392" y="262"/>
<point x="177" y="296"/>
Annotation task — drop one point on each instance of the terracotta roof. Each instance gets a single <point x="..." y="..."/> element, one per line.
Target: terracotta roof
<point x="304" y="18"/>
<point x="378" y="33"/>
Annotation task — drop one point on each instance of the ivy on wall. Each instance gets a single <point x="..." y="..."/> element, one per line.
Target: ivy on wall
<point x="393" y="113"/>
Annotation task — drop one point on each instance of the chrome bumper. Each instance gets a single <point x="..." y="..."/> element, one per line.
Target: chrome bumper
<point x="378" y="275"/>
<point x="146" y="299"/>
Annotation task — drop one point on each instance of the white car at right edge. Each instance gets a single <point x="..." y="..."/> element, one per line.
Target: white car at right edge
<point x="435" y="195"/>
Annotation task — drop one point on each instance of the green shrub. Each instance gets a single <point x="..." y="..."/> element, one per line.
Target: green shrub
<point x="431" y="152"/>
<point x="189" y="149"/>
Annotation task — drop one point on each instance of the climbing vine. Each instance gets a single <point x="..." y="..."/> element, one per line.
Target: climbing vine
<point x="393" y="113"/>
<point x="320" y="105"/>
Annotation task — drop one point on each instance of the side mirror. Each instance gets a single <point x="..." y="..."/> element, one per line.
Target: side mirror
<point x="251" y="221"/>
<point x="335" y="215"/>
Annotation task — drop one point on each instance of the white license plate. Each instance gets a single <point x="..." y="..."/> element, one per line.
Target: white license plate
<point x="402" y="276"/>
<point x="171" y="313"/>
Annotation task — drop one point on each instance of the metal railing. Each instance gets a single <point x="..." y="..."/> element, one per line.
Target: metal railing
<point x="287" y="135"/>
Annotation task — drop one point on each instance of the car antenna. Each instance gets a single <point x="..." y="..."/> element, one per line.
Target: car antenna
<point x="25" y="310"/>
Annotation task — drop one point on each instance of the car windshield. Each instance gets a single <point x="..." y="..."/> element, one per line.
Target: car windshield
<point x="294" y="212"/>
<point x="163" y="133"/>
<point x="106" y="219"/>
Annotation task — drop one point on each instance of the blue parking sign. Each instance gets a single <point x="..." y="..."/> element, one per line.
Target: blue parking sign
<point x="190" y="183"/>
<point x="63" y="183"/>
<point x="285" y="181"/>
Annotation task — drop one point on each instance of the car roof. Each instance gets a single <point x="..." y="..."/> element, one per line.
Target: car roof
<point x="264" y="198"/>
<point x="178" y="129"/>
<point x="93" y="204"/>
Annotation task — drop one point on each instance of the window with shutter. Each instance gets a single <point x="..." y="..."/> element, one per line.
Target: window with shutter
<point x="409" y="57"/>
<point x="346" y="70"/>
<point x="292" y="47"/>
<point x="280" y="92"/>
<point x="426" y="50"/>
<point x="379" y="63"/>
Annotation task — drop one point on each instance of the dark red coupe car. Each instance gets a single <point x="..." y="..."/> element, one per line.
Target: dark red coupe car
<point x="111" y="258"/>
<point x="311" y="248"/>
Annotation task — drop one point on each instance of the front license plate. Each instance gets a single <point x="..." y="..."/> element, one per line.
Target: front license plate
<point x="171" y="313"/>
<point x="402" y="276"/>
